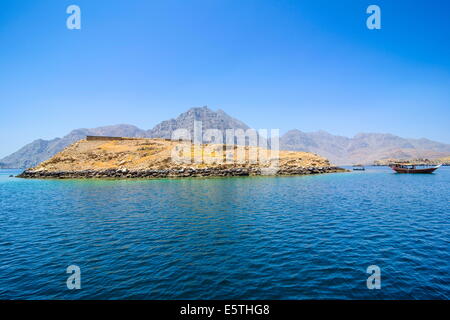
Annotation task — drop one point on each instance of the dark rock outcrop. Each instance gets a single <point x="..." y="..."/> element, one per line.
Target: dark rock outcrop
<point x="171" y="173"/>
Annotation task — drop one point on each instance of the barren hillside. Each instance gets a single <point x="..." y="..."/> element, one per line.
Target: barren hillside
<point x="142" y="157"/>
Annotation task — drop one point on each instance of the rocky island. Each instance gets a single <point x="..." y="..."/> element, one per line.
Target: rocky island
<point x="154" y="158"/>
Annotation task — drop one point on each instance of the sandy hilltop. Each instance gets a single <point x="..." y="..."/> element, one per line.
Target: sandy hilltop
<point x="154" y="158"/>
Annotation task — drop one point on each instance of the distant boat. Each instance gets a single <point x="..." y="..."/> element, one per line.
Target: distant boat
<point x="411" y="168"/>
<point x="358" y="167"/>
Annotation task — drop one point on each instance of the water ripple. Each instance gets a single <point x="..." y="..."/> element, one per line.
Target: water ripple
<point x="237" y="238"/>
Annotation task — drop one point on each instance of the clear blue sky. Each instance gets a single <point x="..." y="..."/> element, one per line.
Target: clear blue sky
<point x="311" y="65"/>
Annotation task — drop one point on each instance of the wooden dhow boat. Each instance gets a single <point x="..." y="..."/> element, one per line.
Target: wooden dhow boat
<point x="412" y="168"/>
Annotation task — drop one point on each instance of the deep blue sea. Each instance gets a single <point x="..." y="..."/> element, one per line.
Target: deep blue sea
<point x="304" y="237"/>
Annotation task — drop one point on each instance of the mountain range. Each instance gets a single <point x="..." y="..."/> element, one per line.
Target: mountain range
<point x="363" y="148"/>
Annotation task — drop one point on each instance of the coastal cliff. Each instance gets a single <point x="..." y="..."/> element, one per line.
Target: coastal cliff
<point x="154" y="158"/>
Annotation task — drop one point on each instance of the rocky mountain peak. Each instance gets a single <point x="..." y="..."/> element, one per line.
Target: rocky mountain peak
<point x="210" y="120"/>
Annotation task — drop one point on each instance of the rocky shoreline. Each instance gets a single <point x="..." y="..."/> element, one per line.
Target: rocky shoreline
<point x="175" y="173"/>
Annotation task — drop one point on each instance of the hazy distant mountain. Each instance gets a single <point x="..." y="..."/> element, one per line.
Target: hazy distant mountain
<point x="40" y="150"/>
<point x="363" y="148"/>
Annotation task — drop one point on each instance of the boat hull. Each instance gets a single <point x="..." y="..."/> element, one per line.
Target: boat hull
<point x="406" y="170"/>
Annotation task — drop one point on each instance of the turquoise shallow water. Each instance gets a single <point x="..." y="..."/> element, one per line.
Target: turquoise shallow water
<point x="228" y="238"/>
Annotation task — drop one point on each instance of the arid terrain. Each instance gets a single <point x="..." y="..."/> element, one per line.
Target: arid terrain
<point x="142" y="157"/>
